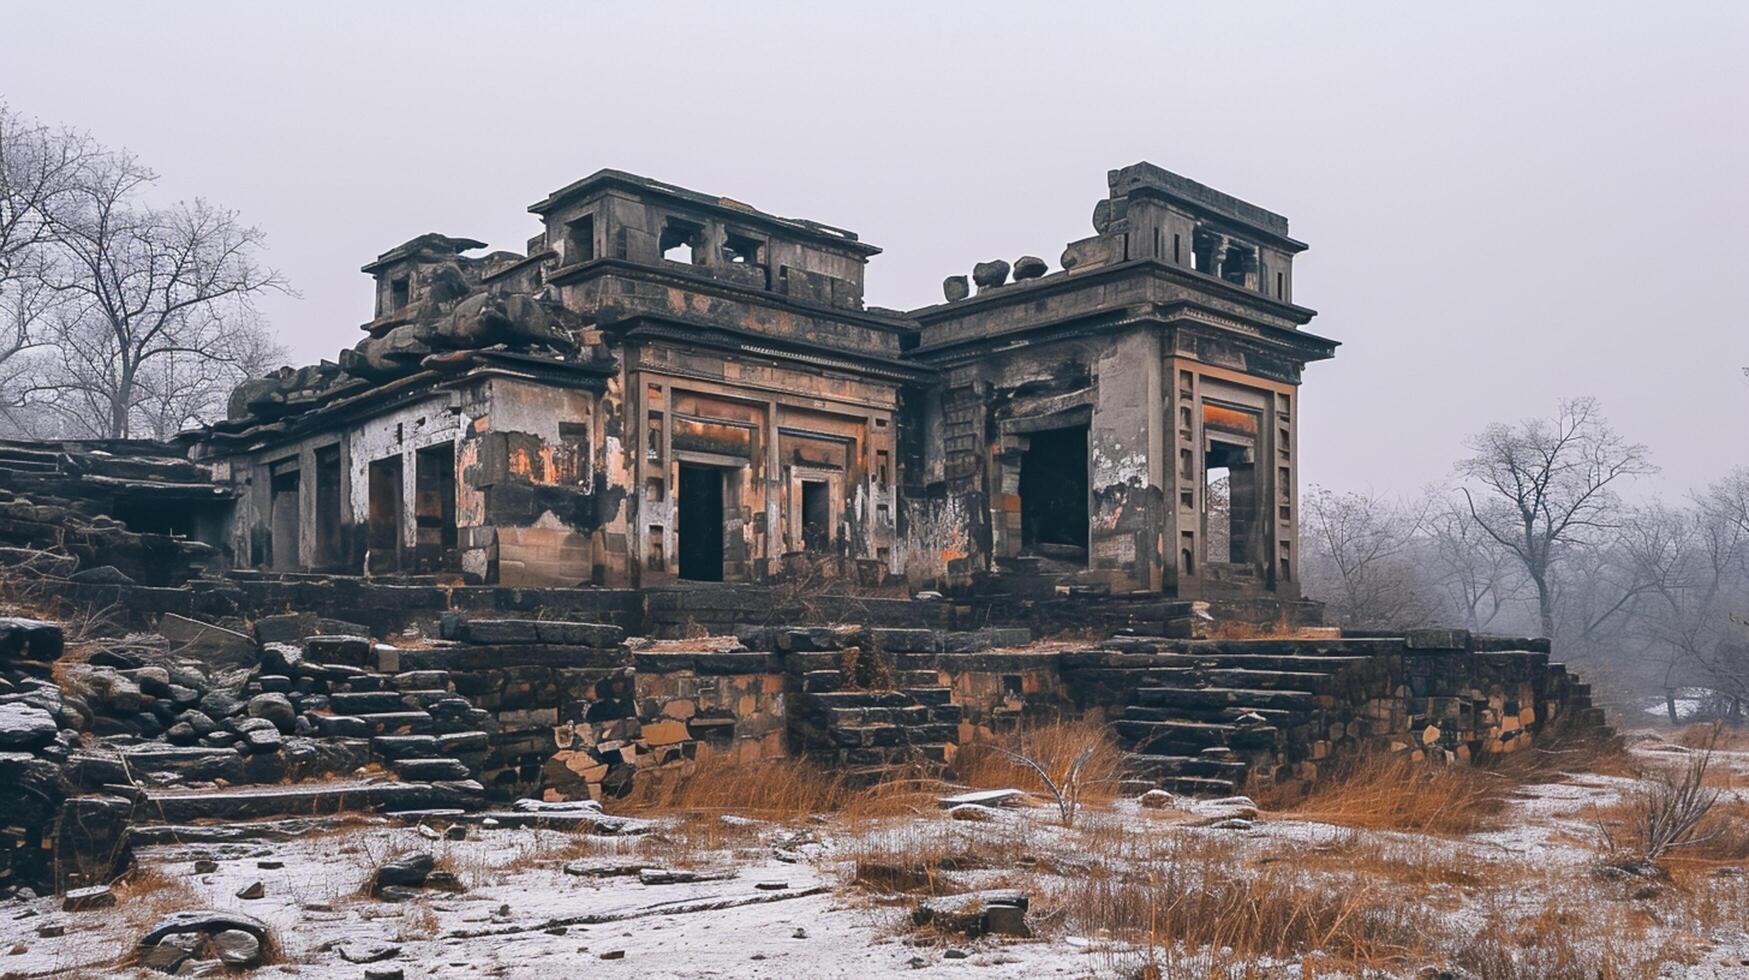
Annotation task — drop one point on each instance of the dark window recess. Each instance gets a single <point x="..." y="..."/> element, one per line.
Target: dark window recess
<point x="383" y="531"/>
<point x="1204" y="245"/>
<point x="1053" y="494"/>
<point x="701" y="523"/>
<point x="580" y="240"/>
<point x="400" y="292"/>
<point x="329" y="550"/>
<point x="434" y="509"/>
<point x="1278" y="286"/>
<point x="816" y="516"/>
<point x="283" y="504"/>
<point x="682" y="241"/>
<point x="740" y="250"/>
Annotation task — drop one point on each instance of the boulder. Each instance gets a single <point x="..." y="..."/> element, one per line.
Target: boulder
<point x="408" y="871"/>
<point x="989" y="275"/>
<point x="1029" y="267"/>
<point x="24" y="726"/>
<point x="274" y="707"/>
<point x="29" y="639"/>
<point x="955" y="288"/>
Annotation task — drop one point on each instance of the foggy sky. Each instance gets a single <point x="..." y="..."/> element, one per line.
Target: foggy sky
<point x="1506" y="203"/>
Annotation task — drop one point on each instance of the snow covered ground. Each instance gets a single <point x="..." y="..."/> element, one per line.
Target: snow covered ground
<point x="784" y="899"/>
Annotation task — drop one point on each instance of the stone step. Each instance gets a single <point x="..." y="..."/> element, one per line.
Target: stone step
<point x="1186" y="737"/>
<point x="1200" y="786"/>
<point x="437" y="769"/>
<point x="1276" y="680"/>
<point x="335" y="796"/>
<point x="1279" y="717"/>
<point x="394" y="747"/>
<point x="1158" y="766"/>
<point x="374" y="702"/>
<point x="827" y="700"/>
<point x="1260" y="660"/>
<point x="1221" y="697"/>
<point x="916" y="678"/>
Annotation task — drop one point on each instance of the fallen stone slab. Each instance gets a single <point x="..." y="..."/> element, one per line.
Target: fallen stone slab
<point x="680" y="876"/>
<point x="606" y="868"/>
<point x="206" y="641"/>
<point x="367" y="952"/>
<point x="966" y="913"/>
<point x="336" y="796"/>
<point x="984" y="797"/>
<point x="209" y="922"/>
<point x="88" y="899"/>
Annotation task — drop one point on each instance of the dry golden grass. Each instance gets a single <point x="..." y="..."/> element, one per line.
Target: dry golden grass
<point x="1203" y="898"/>
<point x="1400" y="793"/>
<point x="1054" y="746"/>
<point x="1282" y="630"/>
<point x="774" y="790"/>
<point x="1721" y="737"/>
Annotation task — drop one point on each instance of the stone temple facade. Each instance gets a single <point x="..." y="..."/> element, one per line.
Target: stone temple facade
<point x="671" y="386"/>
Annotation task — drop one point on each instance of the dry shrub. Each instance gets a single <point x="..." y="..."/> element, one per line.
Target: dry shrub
<point x="1206" y="901"/>
<point x="771" y="789"/>
<point x="916" y="857"/>
<point x="775" y="789"/>
<point x="1718" y="737"/>
<point x="1400" y="793"/>
<point x="1668" y="812"/>
<point x="1560" y="751"/>
<point x="1054" y="746"/>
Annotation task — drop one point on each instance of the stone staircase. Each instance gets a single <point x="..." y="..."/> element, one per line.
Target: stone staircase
<point x="347" y="716"/>
<point x="1200" y="723"/>
<point x="866" y="714"/>
<point x="1210" y="717"/>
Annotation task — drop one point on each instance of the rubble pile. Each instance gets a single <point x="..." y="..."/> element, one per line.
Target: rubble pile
<point x="111" y="512"/>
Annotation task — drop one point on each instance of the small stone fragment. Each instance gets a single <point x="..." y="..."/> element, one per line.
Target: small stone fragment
<point x="252" y="890"/>
<point x="88" y="899"/>
<point x="236" y="948"/>
<point x="1155" y="799"/>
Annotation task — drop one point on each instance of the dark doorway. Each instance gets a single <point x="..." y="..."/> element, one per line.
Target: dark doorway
<point x="383" y="534"/>
<point x="1053" y="494"/>
<point x="1231" y="503"/>
<point x="701" y="523"/>
<point x="816" y="515"/>
<point x="283" y="502"/>
<point x="328" y="549"/>
<point x="434" y="508"/>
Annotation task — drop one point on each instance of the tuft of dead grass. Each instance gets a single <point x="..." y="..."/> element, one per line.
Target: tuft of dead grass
<point x="1227" y="914"/>
<point x="1400" y="793"/>
<point x="1055" y="746"/>
<point x="1715" y="736"/>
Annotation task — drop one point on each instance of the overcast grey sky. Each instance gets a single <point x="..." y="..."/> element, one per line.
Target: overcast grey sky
<point x="1506" y="203"/>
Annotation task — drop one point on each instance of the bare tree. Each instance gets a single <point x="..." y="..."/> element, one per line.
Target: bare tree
<point x="40" y="169"/>
<point x="1479" y="578"/>
<point x="143" y="286"/>
<point x="1358" y="558"/>
<point x="1546" y="484"/>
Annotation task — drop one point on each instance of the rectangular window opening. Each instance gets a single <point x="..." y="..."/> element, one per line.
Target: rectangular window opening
<point x="580" y="240"/>
<point x="682" y="241"/>
<point x="816" y="516"/>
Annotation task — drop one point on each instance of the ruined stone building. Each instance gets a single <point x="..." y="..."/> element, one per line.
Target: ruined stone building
<point x="673" y="386"/>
